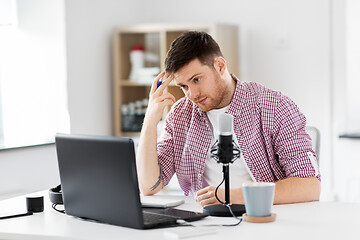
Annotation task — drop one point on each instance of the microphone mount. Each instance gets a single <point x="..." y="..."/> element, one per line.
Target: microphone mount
<point x="215" y="148"/>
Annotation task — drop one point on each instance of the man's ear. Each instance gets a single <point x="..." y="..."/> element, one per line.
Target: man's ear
<point x="220" y="65"/>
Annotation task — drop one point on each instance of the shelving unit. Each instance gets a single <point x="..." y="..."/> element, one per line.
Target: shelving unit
<point x="157" y="39"/>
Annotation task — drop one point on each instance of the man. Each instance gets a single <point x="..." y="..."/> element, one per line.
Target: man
<point x="268" y="127"/>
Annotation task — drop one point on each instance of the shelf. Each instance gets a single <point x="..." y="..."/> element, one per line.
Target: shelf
<point x="350" y="135"/>
<point x="130" y="134"/>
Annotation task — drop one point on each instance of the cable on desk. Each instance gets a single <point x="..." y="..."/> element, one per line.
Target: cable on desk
<point x="182" y="222"/>
<point x="228" y="206"/>
<point x="54" y="205"/>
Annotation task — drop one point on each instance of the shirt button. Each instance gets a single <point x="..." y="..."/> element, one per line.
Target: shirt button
<point x="199" y="175"/>
<point x="205" y="150"/>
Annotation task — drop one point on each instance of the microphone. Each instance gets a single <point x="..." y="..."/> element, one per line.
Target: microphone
<point x="225" y="146"/>
<point x="225" y="151"/>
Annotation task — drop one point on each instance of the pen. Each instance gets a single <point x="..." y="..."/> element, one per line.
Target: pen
<point x="159" y="82"/>
<point x="17" y="215"/>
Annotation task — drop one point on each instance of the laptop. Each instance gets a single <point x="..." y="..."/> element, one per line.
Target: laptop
<point x="99" y="182"/>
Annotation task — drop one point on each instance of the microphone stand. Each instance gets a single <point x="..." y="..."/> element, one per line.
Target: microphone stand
<point x="226" y="170"/>
<point x="224" y="152"/>
<point x="221" y="210"/>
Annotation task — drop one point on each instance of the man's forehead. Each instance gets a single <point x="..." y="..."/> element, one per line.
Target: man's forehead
<point x="182" y="78"/>
<point x="179" y="77"/>
<point x="190" y="70"/>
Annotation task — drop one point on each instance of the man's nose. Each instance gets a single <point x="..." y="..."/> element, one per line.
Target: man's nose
<point x="193" y="93"/>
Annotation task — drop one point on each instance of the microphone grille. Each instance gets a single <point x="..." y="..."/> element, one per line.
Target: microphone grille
<point x="225" y="122"/>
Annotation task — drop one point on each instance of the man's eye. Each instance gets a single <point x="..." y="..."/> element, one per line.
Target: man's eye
<point x="196" y="79"/>
<point x="183" y="86"/>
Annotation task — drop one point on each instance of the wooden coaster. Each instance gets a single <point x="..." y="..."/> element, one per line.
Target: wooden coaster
<point x="270" y="218"/>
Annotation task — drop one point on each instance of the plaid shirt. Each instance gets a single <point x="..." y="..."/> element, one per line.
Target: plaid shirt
<point x="269" y="127"/>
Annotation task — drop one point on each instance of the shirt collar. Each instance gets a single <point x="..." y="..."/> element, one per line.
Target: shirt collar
<point x="236" y="103"/>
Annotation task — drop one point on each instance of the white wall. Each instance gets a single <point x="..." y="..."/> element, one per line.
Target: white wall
<point x="33" y="74"/>
<point x="284" y="44"/>
<point x="352" y="66"/>
<point x="28" y="169"/>
<point x="346" y="99"/>
<point x="39" y="62"/>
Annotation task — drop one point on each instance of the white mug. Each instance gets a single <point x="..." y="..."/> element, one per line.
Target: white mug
<point x="259" y="198"/>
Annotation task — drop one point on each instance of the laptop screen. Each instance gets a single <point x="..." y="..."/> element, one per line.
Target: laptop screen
<point x="98" y="177"/>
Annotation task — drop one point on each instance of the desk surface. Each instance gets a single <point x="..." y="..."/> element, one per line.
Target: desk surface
<point x="315" y="220"/>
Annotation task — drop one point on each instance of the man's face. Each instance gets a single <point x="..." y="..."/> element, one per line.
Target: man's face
<point x="202" y="85"/>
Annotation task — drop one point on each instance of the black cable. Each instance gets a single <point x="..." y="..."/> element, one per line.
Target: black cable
<point x="17" y="215"/>
<point x="227" y="205"/>
<point x="217" y="190"/>
<point x="184" y="223"/>
<point x="230" y="210"/>
<point x="54" y="205"/>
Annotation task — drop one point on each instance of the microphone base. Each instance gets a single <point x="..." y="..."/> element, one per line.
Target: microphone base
<point x="220" y="210"/>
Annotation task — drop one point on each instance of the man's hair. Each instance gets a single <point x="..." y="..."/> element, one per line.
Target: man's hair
<point x="190" y="46"/>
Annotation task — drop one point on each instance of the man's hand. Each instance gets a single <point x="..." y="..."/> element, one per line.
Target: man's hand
<point x="206" y="196"/>
<point x="148" y="168"/>
<point x="158" y="100"/>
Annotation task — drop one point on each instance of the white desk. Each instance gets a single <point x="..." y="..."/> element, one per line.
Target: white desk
<point x="316" y="220"/>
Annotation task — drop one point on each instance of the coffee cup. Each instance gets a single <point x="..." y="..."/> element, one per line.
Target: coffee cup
<point x="259" y="198"/>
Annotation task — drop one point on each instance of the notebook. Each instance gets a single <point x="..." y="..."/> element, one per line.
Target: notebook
<point x="160" y="202"/>
<point x="99" y="182"/>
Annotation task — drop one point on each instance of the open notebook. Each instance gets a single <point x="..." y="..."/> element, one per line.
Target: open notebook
<point x="159" y="202"/>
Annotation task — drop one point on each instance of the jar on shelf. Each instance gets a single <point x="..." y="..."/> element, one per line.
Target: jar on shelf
<point x="137" y="60"/>
<point x="133" y="115"/>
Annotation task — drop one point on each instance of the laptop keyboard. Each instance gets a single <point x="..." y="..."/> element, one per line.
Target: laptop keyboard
<point x="150" y="218"/>
<point x="177" y="213"/>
